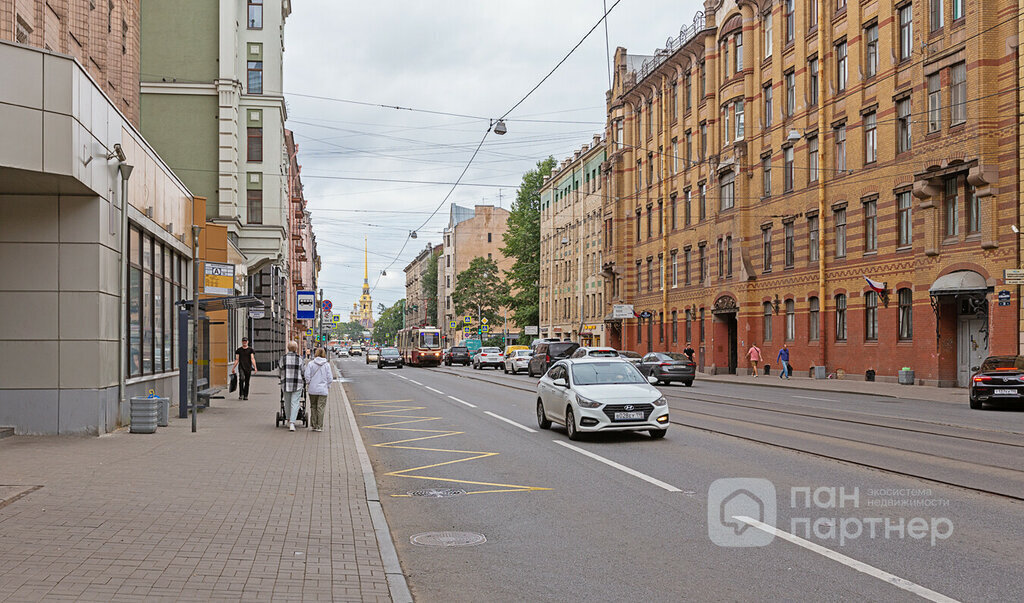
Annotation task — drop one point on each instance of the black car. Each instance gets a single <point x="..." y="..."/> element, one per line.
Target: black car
<point x="1000" y="379"/>
<point x="389" y="357"/>
<point x="547" y="353"/>
<point x="458" y="355"/>
<point x="667" y="367"/>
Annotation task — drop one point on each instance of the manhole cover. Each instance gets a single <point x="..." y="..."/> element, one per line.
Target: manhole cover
<point x="448" y="539"/>
<point x="438" y="492"/>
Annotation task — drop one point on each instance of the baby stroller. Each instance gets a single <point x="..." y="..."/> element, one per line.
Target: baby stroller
<point x="282" y="414"/>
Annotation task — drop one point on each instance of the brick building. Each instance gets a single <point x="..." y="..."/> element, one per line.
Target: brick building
<point x="417" y="302"/>
<point x="776" y="154"/>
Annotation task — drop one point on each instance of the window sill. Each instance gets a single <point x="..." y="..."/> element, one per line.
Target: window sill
<point x="154" y="377"/>
<point x="957" y="127"/>
<point x="952" y="240"/>
<point x="906" y="248"/>
<point x="870" y="253"/>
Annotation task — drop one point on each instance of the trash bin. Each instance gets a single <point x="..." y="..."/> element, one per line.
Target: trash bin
<point x="819" y="372"/>
<point x="869" y="375"/>
<point x="906" y="377"/>
<point x="143" y="413"/>
<point x="163" y="411"/>
<point x="767" y="369"/>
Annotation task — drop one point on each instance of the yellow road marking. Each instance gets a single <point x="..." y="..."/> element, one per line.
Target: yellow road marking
<point x="389" y="411"/>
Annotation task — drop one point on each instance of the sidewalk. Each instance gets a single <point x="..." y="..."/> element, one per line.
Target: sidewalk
<point x="240" y="510"/>
<point x="850" y="385"/>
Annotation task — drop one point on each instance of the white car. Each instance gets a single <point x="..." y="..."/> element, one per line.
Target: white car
<point x="600" y="394"/>
<point x="492" y="357"/>
<point x="517" y="361"/>
<point x="343" y="353"/>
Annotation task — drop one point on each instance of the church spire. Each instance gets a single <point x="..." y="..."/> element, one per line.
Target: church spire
<point x="366" y="272"/>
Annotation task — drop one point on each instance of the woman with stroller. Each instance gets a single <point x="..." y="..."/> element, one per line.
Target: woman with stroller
<point x="291" y="382"/>
<point x="319" y="377"/>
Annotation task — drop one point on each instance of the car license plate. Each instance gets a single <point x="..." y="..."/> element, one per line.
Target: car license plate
<point x="1005" y="392"/>
<point x="629" y="416"/>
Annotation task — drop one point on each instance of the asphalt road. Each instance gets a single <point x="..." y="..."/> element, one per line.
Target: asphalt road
<point x="624" y="517"/>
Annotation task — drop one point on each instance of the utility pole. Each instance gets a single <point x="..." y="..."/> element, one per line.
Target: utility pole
<point x="320" y="319"/>
<point x="195" y="325"/>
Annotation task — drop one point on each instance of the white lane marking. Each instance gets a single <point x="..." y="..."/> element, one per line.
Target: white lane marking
<point x="463" y="402"/>
<point x="623" y="468"/>
<point x="401" y="377"/>
<point x="860" y="566"/>
<point x="414" y="381"/>
<point x="510" y="422"/>
<point x="436" y="391"/>
<point x="813" y="398"/>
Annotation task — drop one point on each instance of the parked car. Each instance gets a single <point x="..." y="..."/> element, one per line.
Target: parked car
<point x="999" y="379"/>
<point x="389" y="357"/>
<point x="539" y="340"/>
<point x="599" y="394"/>
<point x="517" y="360"/>
<point x="355" y="350"/>
<point x="512" y="348"/>
<point x="343" y="353"/>
<point x="667" y="367"/>
<point x="492" y="357"/>
<point x="633" y="357"/>
<point x="458" y="354"/>
<point x="372" y="354"/>
<point x="547" y="353"/>
<point x="592" y="352"/>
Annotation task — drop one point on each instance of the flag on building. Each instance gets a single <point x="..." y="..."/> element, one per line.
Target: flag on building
<point x="875" y="286"/>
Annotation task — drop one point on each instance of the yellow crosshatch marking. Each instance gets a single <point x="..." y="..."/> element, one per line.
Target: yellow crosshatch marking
<point x="389" y="410"/>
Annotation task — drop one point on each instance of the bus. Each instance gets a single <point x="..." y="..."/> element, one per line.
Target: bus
<point x="420" y="346"/>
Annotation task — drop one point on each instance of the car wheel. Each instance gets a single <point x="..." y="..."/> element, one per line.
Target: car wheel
<point x="976" y="404"/>
<point x="542" y="419"/>
<point x="379" y="366"/>
<point x="570" y="425"/>
<point x="529" y="370"/>
<point x="688" y="383"/>
<point x="657" y="434"/>
<point x="515" y="371"/>
<point x="506" y="368"/>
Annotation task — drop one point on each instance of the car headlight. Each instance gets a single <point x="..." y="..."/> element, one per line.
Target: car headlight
<point x="585" y="403"/>
<point x="661" y="401"/>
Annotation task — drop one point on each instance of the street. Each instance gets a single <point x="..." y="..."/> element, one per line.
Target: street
<point x="625" y="517"/>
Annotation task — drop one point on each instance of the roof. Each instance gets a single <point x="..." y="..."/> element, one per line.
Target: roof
<point x="963" y="281"/>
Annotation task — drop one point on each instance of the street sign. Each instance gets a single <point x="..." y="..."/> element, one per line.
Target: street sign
<point x="531" y="330"/>
<point x="336" y="319"/>
<point x="467" y="320"/>
<point x="254" y="313"/>
<point x="219" y="279"/>
<point x="1004" y="298"/>
<point x="305" y="305"/>
<point x="1013" y="277"/>
<point x="484" y="328"/>
<point x="483" y="320"/>
<point x="309" y="332"/>
<point x="327" y="305"/>
<point x="454" y="324"/>
<point x="620" y="311"/>
<point x="646" y="314"/>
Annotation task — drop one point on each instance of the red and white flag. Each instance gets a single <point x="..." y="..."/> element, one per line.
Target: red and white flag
<point x="875" y="286"/>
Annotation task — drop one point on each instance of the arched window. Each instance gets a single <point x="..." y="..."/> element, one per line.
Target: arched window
<point x="790" y="320"/>
<point x="767" y="321"/>
<point x="871" y="316"/>
<point x="840" y="317"/>
<point x="813" y="326"/>
<point x="906" y="304"/>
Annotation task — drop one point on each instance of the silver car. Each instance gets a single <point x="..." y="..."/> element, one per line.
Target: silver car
<point x="600" y="394"/>
<point x="517" y="360"/>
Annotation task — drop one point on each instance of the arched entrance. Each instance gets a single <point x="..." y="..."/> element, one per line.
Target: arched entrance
<point x="959" y="300"/>
<point x="725" y="353"/>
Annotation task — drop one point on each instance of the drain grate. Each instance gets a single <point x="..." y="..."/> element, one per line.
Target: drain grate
<point x="448" y="539"/>
<point x="437" y="492"/>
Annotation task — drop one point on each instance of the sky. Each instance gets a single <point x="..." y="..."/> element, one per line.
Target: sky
<point x="473" y="58"/>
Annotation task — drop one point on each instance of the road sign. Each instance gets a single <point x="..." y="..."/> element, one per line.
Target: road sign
<point x="646" y="314"/>
<point x="484" y="328"/>
<point x="309" y="332"/>
<point x="327" y="305"/>
<point x="467" y="320"/>
<point x="254" y="313"/>
<point x="1004" y="298"/>
<point x="219" y="279"/>
<point x="336" y="319"/>
<point x="305" y="305"/>
<point x="1013" y="277"/>
<point x="531" y="330"/>
<point x="620" y="311"/>
<point x="483" y="320"/>
<point x="454" y="324"/>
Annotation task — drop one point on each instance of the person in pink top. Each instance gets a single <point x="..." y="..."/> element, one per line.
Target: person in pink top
<point x="754" y="354"/>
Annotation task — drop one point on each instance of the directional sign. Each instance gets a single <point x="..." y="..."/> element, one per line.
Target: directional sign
<point x="305" y="305"/>
<point x="531" y="330"/>
<point x="1013" y="277"/>
<point x="328" y="305"/>
<point x="620" y="311"/>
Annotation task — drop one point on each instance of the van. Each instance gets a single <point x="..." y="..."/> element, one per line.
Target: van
<point x="546" y="353"/>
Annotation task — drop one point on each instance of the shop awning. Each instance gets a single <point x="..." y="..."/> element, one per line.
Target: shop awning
<point x="956" y="283"/>
<point x="213" y="304"/>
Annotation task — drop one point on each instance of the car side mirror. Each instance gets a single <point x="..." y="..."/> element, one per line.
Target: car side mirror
<point x="652" y="380"/>
<point x="560" y="382"/>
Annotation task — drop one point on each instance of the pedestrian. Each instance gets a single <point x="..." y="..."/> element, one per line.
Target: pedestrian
<point x="245" y="364"/>
<point x="783" y="357"/>
<point x="290" y="372"/>
<point x="689" y="351"/>
<point x="754" y="354"/>
<point x="319" y="377"/>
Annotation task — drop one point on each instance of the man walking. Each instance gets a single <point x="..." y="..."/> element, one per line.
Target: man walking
<point x="245" y="364"/>
<point x="754" y="354"/>
<point x="783" y="357"/>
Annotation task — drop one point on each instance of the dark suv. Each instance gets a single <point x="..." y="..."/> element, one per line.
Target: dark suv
<point x="458" y="355"/>
<point x="547" y="353"/>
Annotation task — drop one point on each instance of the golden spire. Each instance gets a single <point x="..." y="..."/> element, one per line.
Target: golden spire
<point x="366" y="272"/>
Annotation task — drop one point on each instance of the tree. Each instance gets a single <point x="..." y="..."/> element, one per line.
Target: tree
<point x="349" y="330"/>
<point x="522" y="243"/>
<point x="429" y="284"/>
<point x="482" y="287"/>
<point x="389" y="323"/>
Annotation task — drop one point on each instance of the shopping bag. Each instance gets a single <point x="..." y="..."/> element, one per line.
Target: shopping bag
<point x="233" y="385"/>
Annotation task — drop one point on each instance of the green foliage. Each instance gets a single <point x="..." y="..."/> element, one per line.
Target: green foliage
<point x="389" y="323"/>
<point x="522" y="243"/>
<point x="429" y="285"/>
<point x="349" y="330"/>
<point x="481" y="285"/>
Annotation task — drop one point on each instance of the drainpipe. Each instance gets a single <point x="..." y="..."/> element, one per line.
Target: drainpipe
<point x="822" y="294"/>
<point x="122" y="342"/>
<point x="1020" y="164"/>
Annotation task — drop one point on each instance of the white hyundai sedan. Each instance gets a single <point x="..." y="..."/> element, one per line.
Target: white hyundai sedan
<point x="600" y="394"/>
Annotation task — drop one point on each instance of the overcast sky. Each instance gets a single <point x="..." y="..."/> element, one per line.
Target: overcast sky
<point x="454" y="56"/>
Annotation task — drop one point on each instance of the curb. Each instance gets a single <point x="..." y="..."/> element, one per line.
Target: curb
<point x="397" y="584"/>
<point x="833" y="390"/>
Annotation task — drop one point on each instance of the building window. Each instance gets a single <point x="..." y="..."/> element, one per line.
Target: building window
<point x="790" y="21"/>
<point x="661" y="327"/>
<point x="958" y="94"/>
<point x="725" y="59"/>
<point x="639" y="175"/>
<point x="255" y="14"/>
<point x="650" y="274"/>
<point x="687" y="91"/>
<point x="812" y="69"/>
<point x="673" y="214"/>
<point x="812" y="238"/>
<point x="906" y="32"/>
<point x="488" y="237"/>
<point x="702" y="261"/>
<point x="661" y="218"/>
<point x="766" y="323"/>
<point x="790" y="79"/>
<point x="638" y="224"/>
<point x="871" y="316"/>
<point x="870" y="138"/>
<point x="788" y="169"/>
<point x="935" y="16"/>
<point x="640" y="331"/>
<point x="702" y="201"/>
<point x="703" y="83"/>
<point x="650" y="118"/>
<point x="675" y="156"/>
<point x="903" y="220"/>
<point x="721" y="257"/>
<point x="254" y="206"/>
<point x="790" y="246"/>
<point x="675" y="326"/>
<point x="840" y="317"/>
<point x="766" y="175"/>
<point x="687" y="208"/>
<point x="728" y="256"/>
<point x="255" y="70"/>
<point x="689" y="150"/>
<point x="812" y="159"/>
<point x="673" y="104"/>
<point x="702" y="325"/>
<point x="767" y="93"/>
<point x="703" y="139"/>
<point x="740" y="126"/>
<point x="739" y="52"/>
<point x="934" y="103"/>
<point x="871" y="225"/>
<point x="766" y="19"/>
<point x="661" y="273"/>
<point x="766" y="248"/>
<point x="840" y="134"/>
<point x="951" y="206"/>
<point x="727" y="191"/>
<point x="254" y="145"/>
<point x="813" y="329"/>
<point x="958" y="9"/>
<point x="686" y="266"/>
<point x="790" y="320"/>
<point x="725" y="126"/>
<point x="841" y="72"/>
<point x="905" y="298"/>
<point x="675" y="269"/>
<point x="973" y="211"/>
<point x="23" y="32"/>
<point x="650" y="170"/>
<point x="871" y="50"/>
<point x="903" y="131"/>
<point x="650" y="221"/>
<point x="840" y="219"/>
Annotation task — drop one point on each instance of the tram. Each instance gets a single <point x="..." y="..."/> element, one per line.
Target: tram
<point x="420" y="346"/>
